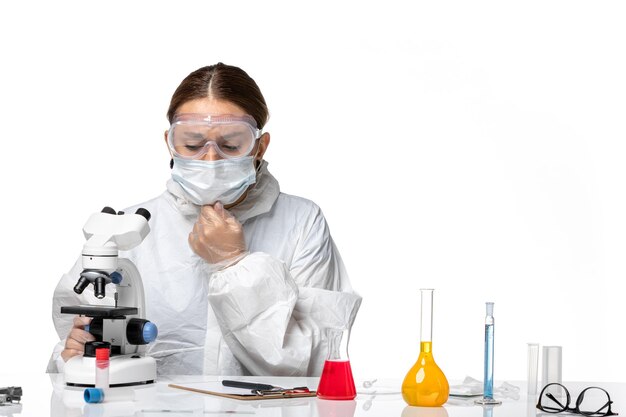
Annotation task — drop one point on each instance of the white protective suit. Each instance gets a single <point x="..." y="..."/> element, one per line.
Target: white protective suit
<point x="265" y="315"/>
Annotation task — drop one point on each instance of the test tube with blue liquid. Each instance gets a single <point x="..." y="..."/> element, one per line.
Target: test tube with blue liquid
<point x="488" y="381"/>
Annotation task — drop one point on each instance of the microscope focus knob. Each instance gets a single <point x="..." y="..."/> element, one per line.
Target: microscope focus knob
<point x="141" y="332"/>
<point x="116" y="277"/>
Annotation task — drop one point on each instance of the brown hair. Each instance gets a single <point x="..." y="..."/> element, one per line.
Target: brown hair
<point x="222" y="82"/>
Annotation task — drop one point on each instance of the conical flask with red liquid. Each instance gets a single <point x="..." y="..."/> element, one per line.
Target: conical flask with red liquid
<point x="337" y="382"/>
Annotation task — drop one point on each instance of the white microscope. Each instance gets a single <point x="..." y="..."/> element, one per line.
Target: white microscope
<point x="121" y="326"/>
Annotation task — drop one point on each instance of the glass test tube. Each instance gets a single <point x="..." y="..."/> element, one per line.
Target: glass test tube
<point x="488" y="381"/>
<point x="552" y="367"/>
<point x="102" y="368"/>
<point x="488" y="384"/>
<point x="533" y="368"/>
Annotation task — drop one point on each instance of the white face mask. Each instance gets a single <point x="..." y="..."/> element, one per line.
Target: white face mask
<point x="207" y="182"/>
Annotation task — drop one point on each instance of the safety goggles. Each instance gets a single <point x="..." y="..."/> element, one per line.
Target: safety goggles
<point x="191" y="135"/>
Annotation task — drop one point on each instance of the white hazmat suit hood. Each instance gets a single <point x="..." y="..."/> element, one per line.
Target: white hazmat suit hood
<point x="265" y="315"/>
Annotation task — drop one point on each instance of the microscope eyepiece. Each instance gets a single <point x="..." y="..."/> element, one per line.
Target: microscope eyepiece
<point x="99" y="284"/>
<point x="143" y="212"/>
<point x="81" y="285"/>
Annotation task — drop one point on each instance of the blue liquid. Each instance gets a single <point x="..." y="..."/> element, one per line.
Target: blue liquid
<point x="488" y="387"/>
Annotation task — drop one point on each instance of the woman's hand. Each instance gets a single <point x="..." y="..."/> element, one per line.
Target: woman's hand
<point x="75" y="341"/>
<point x="217" y="236"/>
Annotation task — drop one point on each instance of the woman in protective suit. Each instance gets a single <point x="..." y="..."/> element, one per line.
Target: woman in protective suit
<point x="239" y="277"/>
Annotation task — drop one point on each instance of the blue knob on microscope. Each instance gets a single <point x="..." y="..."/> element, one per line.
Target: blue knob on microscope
<point x="116" y="277"/>
<point x="150" y="332"/>
<point x="140" y="331"/>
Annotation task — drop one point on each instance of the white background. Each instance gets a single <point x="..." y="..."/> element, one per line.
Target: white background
<point x="473" y="147"/>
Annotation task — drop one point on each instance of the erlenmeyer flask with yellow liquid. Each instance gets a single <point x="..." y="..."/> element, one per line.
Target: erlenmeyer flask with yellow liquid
<point x="425" y="385"/>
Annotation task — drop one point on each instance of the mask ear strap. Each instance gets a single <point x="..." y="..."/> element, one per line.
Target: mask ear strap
<point x="172" y="163"/>
<point x="258" y="162"/>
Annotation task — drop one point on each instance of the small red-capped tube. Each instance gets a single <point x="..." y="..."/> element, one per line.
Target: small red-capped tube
<point x="102" y="367"/>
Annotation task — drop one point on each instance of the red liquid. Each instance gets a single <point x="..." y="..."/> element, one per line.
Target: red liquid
<point x="336" y="382"/>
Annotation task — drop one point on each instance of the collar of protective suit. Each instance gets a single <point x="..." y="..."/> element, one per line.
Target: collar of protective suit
<point x="260" y="199"/>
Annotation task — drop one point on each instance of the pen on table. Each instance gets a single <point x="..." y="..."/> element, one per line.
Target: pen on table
<point x="192" y="411"/>
<point x="249" y="385"/>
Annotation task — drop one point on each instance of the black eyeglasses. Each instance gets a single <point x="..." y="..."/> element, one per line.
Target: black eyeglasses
<point x="551" y="397"/>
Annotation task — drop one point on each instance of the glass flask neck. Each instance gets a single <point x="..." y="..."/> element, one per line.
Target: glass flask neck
<point x="338" y="340"/>
<point x="426" y="327"/>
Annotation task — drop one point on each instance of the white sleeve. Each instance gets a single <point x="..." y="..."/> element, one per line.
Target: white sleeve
<point x="56" y="362"/>
<point x="272" y="318"/>
<point x="64" y="295"/>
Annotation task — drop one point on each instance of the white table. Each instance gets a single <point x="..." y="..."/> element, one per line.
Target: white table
<point x="46" y="395"/>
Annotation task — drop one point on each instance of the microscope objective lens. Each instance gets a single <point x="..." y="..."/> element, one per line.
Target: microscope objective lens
<point x="99" y="285"/>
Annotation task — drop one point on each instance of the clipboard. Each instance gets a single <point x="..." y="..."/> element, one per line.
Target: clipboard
<point x="215" y="388"/>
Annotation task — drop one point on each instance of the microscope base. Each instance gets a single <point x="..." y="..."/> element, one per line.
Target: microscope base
<point x="124" y="370"/>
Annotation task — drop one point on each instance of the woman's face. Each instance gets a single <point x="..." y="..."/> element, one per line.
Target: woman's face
<point x="218" y="107"/>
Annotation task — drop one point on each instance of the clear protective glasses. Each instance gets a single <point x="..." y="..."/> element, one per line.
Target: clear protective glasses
<point x="191" y="134"/>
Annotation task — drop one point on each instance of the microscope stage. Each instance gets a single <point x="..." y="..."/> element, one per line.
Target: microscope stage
<point x="99" y="311"/>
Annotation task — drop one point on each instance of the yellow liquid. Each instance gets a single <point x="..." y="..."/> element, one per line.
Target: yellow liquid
<point x="425" y="385"/>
